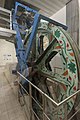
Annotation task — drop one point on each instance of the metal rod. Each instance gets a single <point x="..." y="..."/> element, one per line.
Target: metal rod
<point x="31" y="96"/>
<point x="48" y="79"/>
<point x="37" y="103"/>
<point x="23" y="88"/>
<point x="35" y="114"/>
<point x="46" y="116"/>
<point x="74" y="114"/>
<point x="43" y="98"/>
<point x="39" y="89"/>
<point x="55" y="103"/>
<point x="30" y="93"/>
<point x="68" y="98"/>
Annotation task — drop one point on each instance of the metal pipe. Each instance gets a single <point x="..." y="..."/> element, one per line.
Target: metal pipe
<point x="30" y="82"/>
<point x="31" y="96"/>
<point x="55" y="103"/>
<point x="46" y="116"/>
<point x="74" y="114"/>
<point x="37" y="103"/>
<point x="23" y="88"/>
<point x="39" y="89"/>
<point x="68" y="98"/>
<point x="43" y="98"/>
<point x="35" y="114"/>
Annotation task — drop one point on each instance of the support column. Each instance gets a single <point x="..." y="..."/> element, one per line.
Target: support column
<point x="72" y="19"/>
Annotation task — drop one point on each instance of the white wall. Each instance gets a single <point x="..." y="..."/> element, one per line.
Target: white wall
<point x="7" y="52"/>
<point x="60" y="16"/>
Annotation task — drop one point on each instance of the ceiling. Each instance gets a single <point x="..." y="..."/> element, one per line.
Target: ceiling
<point x="45" y="7"/>
<point x="48" y="7"/>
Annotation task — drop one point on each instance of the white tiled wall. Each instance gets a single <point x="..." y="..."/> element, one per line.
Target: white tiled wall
<point x="7" y="52"/>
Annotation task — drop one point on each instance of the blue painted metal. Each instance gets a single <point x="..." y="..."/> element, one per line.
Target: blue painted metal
<point x="19" y="48"/>
<point x="33" y="34"/>
<point x="22" y="53"/>
<point x="25" y="7"/>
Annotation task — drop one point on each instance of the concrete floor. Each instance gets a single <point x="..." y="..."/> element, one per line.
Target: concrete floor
<point x="10" y="108"/>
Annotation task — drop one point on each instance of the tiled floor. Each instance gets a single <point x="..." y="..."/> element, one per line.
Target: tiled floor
<point x="10" y="108"/>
